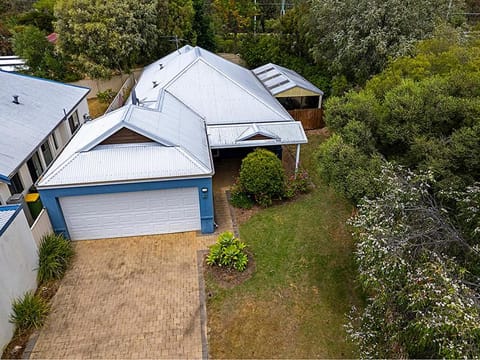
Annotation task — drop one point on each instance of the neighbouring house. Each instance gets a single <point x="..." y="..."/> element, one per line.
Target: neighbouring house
<point x="12" y="63"/>
<point x="37" y="118"/>
<point x="302" y="99"/>
<point x="18" y="264"/>
<point x="147" y="167"/>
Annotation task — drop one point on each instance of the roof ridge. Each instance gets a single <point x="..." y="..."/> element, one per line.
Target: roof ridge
<point x="243" y="87"/>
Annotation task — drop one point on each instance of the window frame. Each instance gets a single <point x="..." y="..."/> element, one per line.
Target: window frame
<point x="16" y="180"/>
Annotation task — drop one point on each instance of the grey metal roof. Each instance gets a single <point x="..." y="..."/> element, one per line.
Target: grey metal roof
<point x="180" y="148"/>
<point x="278" y="79"/>
<point x="12" y="63"/>
<point x="244" y="135"/>
<point x="24" y="126"/>
<point x="220" y="91"/>
<point x="7" y="214"/>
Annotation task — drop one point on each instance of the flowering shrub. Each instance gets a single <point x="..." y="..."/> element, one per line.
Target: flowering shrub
<point x="422" y="300"/>
<point x="297" y="184"/>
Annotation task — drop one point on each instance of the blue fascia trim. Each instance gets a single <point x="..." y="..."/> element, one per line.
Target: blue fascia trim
<point x="5" y="179"/>
<point x="50" y="198"/>
<point x="17" y="209"/>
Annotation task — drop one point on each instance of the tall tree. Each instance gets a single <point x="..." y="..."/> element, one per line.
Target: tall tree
<point x="358" y="37"/>
<point x="174" y="22"/>
<point x="203" y="24"/>
<point x="102" y="36"/>
<point x="234" y="16"/>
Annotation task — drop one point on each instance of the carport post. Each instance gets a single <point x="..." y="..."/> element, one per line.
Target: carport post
<point x="297" y="159"/>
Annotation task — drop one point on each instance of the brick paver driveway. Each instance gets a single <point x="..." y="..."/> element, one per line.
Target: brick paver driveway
<point x="133" y="297"/>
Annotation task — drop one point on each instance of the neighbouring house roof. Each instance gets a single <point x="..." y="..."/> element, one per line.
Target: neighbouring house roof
<point x="7" y="215"/>
<point x="257" y="134"/>
<point x="25" y="126"/>
<point x="12" y="63"/>
<point x="278" y="79"/>
<point x="217" y="89"/>
<point x="179" y="148"/>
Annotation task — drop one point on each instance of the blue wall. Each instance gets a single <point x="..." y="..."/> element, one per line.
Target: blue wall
<point x="51" y="203"/>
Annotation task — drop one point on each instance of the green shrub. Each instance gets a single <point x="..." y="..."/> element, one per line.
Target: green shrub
<point x="228" y="252"/>
<point x="29" y="312"/>
<point x="262" y="176"/>
<point x="55" y="253"/>
<point x="239" y="198"/>
<point x="106" y="96"/>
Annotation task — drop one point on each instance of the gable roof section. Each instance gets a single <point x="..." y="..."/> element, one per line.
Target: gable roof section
<point x="24" y="126"/>
<point x="278" y="79"/>
<point x="246" y="135"/>
<point x="220" y="91"/>
<point x="179" y="148"/>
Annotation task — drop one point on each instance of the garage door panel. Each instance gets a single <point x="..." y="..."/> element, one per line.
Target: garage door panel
<point x="131" y="213"/>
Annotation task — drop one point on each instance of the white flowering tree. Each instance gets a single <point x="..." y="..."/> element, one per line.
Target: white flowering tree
<point x="422" y="293"/>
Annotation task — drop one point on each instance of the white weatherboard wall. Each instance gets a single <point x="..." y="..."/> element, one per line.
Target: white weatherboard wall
<point x="18" y="274"/>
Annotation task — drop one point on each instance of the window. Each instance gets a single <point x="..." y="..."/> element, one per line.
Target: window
<point x="74" y="122"/>
<point x="35" y="167"/>
<point x="55" y="142"/>
<point x="16" y="185"/>
<point x="47" y="152"/>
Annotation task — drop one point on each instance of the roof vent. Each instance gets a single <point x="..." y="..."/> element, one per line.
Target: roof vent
<point x="15" y="99"/>
<point x="155" y="84"/>
<point x="161" y="66"/>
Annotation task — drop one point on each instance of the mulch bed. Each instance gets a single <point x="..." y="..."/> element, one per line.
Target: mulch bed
<point x="229" y="278"/>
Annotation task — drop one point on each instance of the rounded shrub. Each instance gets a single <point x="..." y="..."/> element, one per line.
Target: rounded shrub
<point x="262" y="176"/>
<point x="229" y="252"/>
<point x="29" y="312"/>
<point x="54" y="255"/>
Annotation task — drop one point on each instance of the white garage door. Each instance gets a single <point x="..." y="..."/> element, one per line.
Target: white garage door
<point x="131" y="213"/>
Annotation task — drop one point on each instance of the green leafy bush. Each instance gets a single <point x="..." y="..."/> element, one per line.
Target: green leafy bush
<point x="262" y="176"/>
<point x="106" y="96"/>
<point x="239" y="198"/>
<point x="55" y="253"/>
<point x="228" y="252"/>
<point x="29" y="312"/>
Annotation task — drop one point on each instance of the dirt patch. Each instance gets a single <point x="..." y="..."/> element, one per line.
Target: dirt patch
<point x="229" y="278"/>
<point x="16" y="346"/>
<point x="323" y="131"/>
<point x="242" y="215"/>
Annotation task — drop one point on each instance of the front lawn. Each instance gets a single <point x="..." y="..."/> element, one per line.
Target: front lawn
<point x="295" y="304"/>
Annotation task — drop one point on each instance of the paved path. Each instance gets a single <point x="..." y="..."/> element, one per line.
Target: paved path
<point x="132" y="297"/>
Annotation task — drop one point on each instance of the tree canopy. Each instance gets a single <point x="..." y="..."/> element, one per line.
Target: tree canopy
<point x="358" y="37"/>
<point x="105" y="35"/>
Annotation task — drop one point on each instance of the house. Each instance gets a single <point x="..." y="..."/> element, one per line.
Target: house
<point x="147" y="167"/>
<point x="37" y="119"/>
<point x="301" y="98"/>
<point x="18" y="264"/>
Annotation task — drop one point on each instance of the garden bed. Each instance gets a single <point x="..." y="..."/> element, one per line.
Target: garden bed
<point x="295" y="303"/>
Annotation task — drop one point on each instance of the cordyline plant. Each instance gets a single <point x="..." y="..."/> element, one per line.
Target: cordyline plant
<point x="423" y="297"/>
